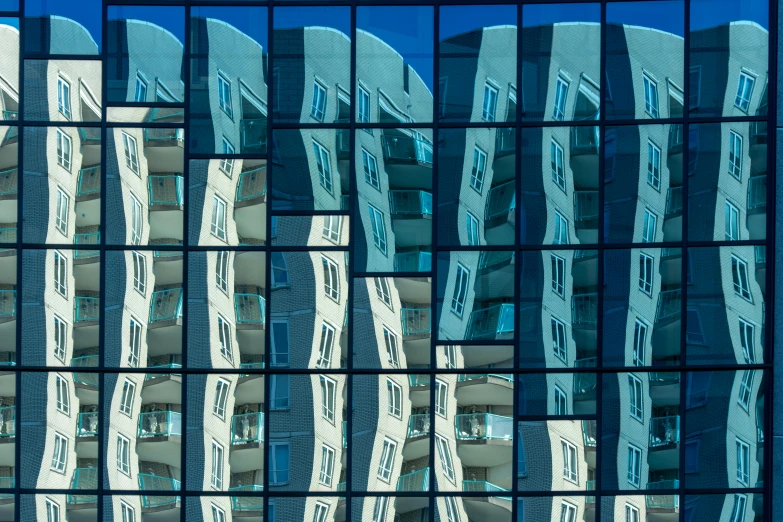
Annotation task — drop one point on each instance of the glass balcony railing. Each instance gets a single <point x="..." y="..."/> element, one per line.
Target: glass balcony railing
<point x="247" y="427"/>
<point x="343" y="141"/>
<point x="86" y="378"/>
<point x="584" y="140"/>
<point x="7" y="483"/>
<point x="12" y="133"/>
<point x="418" y="425"/>
<point x="253" y="135"/>
<point x="166" y="113"/>
<point x="252" y="184"/>
<point x="410" y="202"/>
<point x="413" y="262"/>
<point x="471" y="376"/>
<point x="671" y="253"/>
<point x="663" y="378"/>
<point x="148" y="482"/>
<point x="673" y="201"/>
<point x="757" y="192"/>
<point x="158" y="134"/>
<point x="406" y="148"/>
<point x="481" y="426"/>
<point x="250" y="309"/>
<point x="9" y="181"/>
<point x="491" y="322"/>
<point x="482" y="486"/>
<point x="414" y="481"/>
<point x="89" y="181"/>
<point x="590" y="486"/>
<point x="8" y="419"/>
<point x="87" y="424"/>
<point x="419" y="380"/>
<point x="584" y="310"/>
<point x="668" y="305"/>
<point x="505" y="142"/>
<point x="90" y="135"/>
<point x="7" y="234"/>
<point x="85" y="309"/>
<point x="166" y="190"/>
<point x="589" y="433"/>
<point x="585" y="205"/>
<point x="7" y="303"/>
<point x="160" y="424"/>
<point x="416" y="321"/>
<point x="760" y="255"/>
<point x="345" y="433"/>
<point x="664" y="431"/>
<point x="499" y="259"/>
<point x="758" y="133"/>
<point x="655" y="501"/>
<point x="83" y="478"/>
<point x="166" y="305"/>
<point x="11" y="115"/>
<point x="675" y="138"/>
<point x="173" y="366"/>
<point x="251" y="366"/>
<point x="501" y="200"/>
<point x="168" y="253"/>
<point x="247" y="503"/>
<point x="88" y="238"/>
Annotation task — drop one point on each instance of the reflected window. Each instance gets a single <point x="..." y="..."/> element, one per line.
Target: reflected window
<point x="64" y="97"/>
<point x="460" y="290"/>
<point x="327" y="465"/>
<point x="387" y="460"/>
<point x="227" y="165"/>
<point x="731" y="218"/>
<point x="738" y="511"/>
<point x="490" y="102"/>
<point x="60" y="274"/>
<point x="472" y="226"/>
<point x="321" y="510"/>
<point x="392" y="350"/>
<point x="735" y="155"/>
<point x="631" y="513"/>
<point x="479" y="169"/>
<point x="451" y="356"/>
<point x="649" y="227"/>
<point x="134" y="343"/>
<point x="128" y="513"/>
<point x="324" y="163"/>
<point x="139" y="272"/>
<point x="63" y="208"/>
<point x="63" y="397"/>
<point x="280" y="338"/>
<point x="639" y="343"/>
<point x="224" y="334"/>
<point x="570" y="465"/>
<point x="692" y="455"/>
<point x="561" y="96"/>
<point x="567" y="512"/>
<point x="444" y="452"/>
<point x="559" y="340"/>
<point x="653" y="165"/>
<point x="521" y="457"/>
<point x="634" y="465"/>
<point x="224" y="95"/>
<point x="441" y="397"/>
<point x="383" y="291"/>
<point x="218" y="227"/>
<point x="747" y="341"/>
<point x="381" y="506"/>
<point x="697" y="387"/>
<point x="646" y="263"/>
<point x="558" y="172"/>
<point x="123" y="454"/>
<point x="558" y="274"/>
<point x="370" y="165"/>
<point x="744" y="91"/>
<point x="136" y="221"/>
<point x="218" y="515"/>
<point x="561" y="230"/>
<point x="217" y="465"/>
<point x="221" y="396"/>
<point x="279" y="456"/>
<point x="746" y="389"/>
<point x="279" y="388"/>
<point x="650" y="96"/>
<point x="331" y="279"/>
<point x="64" y="150"/>
<point x="328" y="398"/>
<point x="279" y="270"/>
<point x="52" y="511"/>
<point x="694" y="84"/>
<point x="739" y="270"/>
<point x="443" y="85"/>
<point x="327" y="345"/>
<point x="743" y="462"/>
<point x="221" y="270"/>
<point x="128" y="396"/>
<point x="561" y="402"/>
<point x="363" y="105"/>
<point x="318" y="109"/>
<point x="637" y="393"/>
<point x="610" y="151"/>
<point x="131" y="152"/>
<point x="60" y="453"/>
<point x="140" y="94"/>
<point x="378" y="228"/>
<point x="60" y="339"/>
<point x="332" y="226"/>
<point x="395" y="398"/>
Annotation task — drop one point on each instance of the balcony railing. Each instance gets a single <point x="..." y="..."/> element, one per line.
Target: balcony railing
<point x="251" y="366"/>
<point x="483" y="426"/>
<point x="584" y="140"/>
<point x="760" y="254"/>
<point x="589" y="433"/>
<point x="654" y="501"/>
<point x="7" y="234"/>
<point x="406" y="148"/>
<point x="675" y="138"/>
<point x="416" y="321"/>
<point x="11" y="115"/>
<point x="413" y="262"/>
<point x="482" y="486"/>
<point x="247" y="503"/>
<point x="7" y="483"/>
<point x="168" y="253"/>
<point x="505" y="142"/>
<point x="585" y="205"/>
<point x="419" y="380"/>
<point x="87" y="424"/>
<point x="758" y="133"/>
<point x="85" y="309"/>
<point x="8" y="419"/>
<point x="86" y="378"/>
<point x="166" y="305"/>
<point x="757" y="192"/>
<point x="673" y="201"/>
<point x="169" y="365"/>
<point x="84" y="478"/>
<point x="166" y="190"/>
<point x="160" y="424"/>
<point x="343" y="141"/>
<point x="410" y="202"/>
<point x="13" y="132"/>
<point x="89" y="181"/>
<point x="663" y="378"/>
<point x="9" y="181"/>
<point x="252" y="184"/>
<point x="91" y="135"/>
<point x="166" y="113"/>
<point x="345" y="434"/>
<point x="471" y="376"/>
<point x="250" y="309"/>
<point x="668" y="305"/>
<point x="148" y="482"/>
<point x="247" y="427"/>
<point x="491" y="322"/>
<point x="88" y="238"/>
<point x="418" y="425"/>
<point x="488" y="259"/>
<point x="584" y="310"/>
<point x="161" y="134"/>
<point x="590" y="486"/>
<point x="664" y="431"/>
<point x="415" y="481"/>
<point x="7" y="303"/>
<point x="254" y="135"/>
<point x="501" y="200"/>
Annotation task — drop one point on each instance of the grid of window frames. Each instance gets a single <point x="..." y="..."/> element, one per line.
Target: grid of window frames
<point x="308" y="247"/>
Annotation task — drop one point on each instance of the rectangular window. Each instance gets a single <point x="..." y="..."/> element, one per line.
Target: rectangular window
<point x="60" y="338"/>
<point x="60" y="274"/>
<point x="387" y="460"/>
<point x="60" y="453"/>
<point x="451" y="510"/>
<point x="746" y="389"/>
<point x="221" y="270"/>
<point x="451" y="356"/>
<point x="279" y="270"/>
<point x="123" y="454"/>
<point x="561" y="230"/>
<point x="561" y="402"/>
<point x="653" y="165"/>
<point x="136" y="221"/>
<point x="693" y="332"/>
<point x="226" y="164"/>
<point x="650" y="226"/>
<point x="650" y="96"/>
<point x="134" y="343"/>
<point x="328" y="398"/>
<point x="64" y="97"/>
<point x="645" y="273"/>
<point x="327" y="345"/>
<point x="631" y="513"/>
<point x="378" y="229"/>
<point x="363" y="106"/>
<point x="738" y="511"/>
<point x="64" y="150"/>
<point x="218" y="227"/>
<point x="479" y="169"/>
<point x="731" y="222"/>
<point x="63" y="398"/>
<point x="558" y="170"/>
<point x="472" y="226"/>
<point x="224" y="95"/>
<point x="131" y="152"/>
<point x="52" y="511"/>
<point x="218" y="515"/>
<point x="444" y="452"/>
<point x="735" y="155"/>
<point x="323" y="161"/>
<point x="221" y="396"/>
<point x="370" y="165"/>
<point x="128" y="513"/>
<point x="637" y="395"/>
<point x="280" y="343"/>
<point x="739" y="271"/>
<point x="139" y="272"/>
<point x="747" y="341"/>
<point x="63" y="210"/>
<point x="327" y="465"/>
<point x="570" y="469"/>
<point x="460" y="290"/>
<point x="567" y="512"/>
<point x="395" y="398"/>
<point x="279" y="457"/>
<point x="217" y="465"/>
<point x="140" y="95"/>
<point x="392" y="347"/>
<point x="318" y="109"/>
<point x="639" y="343"/>
<point x="694" y="79"/>
<point x="321" y="510"/>
<point x="558" y="274"/>
<point x="634" y="465"/>
<point x="559" y="343"/>
<point x="697" y="385"/>
<point x="744" y="91"/>
<point x="331" y="279"/>
<point x="743" y="462"/>
<point x="384" y="291"/>
<point x="441" y="397"/>
<point x="490" y="103"/>
<point x="224" y="334"/>
<point x="561" y="96"/>
<point x="128" y="396"/>
<point x="280" y="391"/>
<point x="381" y="506"/>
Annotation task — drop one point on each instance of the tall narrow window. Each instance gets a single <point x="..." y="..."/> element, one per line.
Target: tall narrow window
<point x="224" y="335"/>
<point x="567" y="512"/>
<point x="452" y="512"/>
<point x="561" y="230"/>
<point x="561" y="96"/>
<point x="739" y="271"/>
<point x="128" y="513"/>
<point x="128" y="396"/>
<point x="479" y="169"/>
<point x="561" y="402"/>
<point x="224" y="95"/>
<point x="558" y="170"/>
<point x="632" y="513"/>
<point x="743" y="462"/>
<point x="735" y="155"/>
<point x="744" y="91"/>
<point x="63" y="397"/>
<point x="363" y="108"/>
<point x="64" y="97"/>
<point x="441" y="397"/>
<point x="318" y="109"/>
<point x="731" y="215"/>
<point x="280" y="391"/>
<point x="139" y="272"/>
<point x="370" y="165"/>
<point x="279" y="457"/>
<point x="650" y="96"/>
<point x="279" y="270"/>
<point x="131" y="152"/>
<point x="653" y="165"/>
<point x="444" y="452"/>
<point x="327" y="465"/>
<point x="636" y="391"/>
<point x="746" y="389"/>
<point x="472" y="226"/>
<point x="134" y="343"/>
<point x="570" y="470"/>
<point x="52" y="511"/>
<point x="60" y="338"/>
<point x="136" y="221"/>
<point x="140" y="95"/>
<point x="460" y="290"/>
<point x="60" y="274"/>
<point x="328" y="398"/>
<point x="62" y="212"/>
<point x="227" y="164"/>
<point x="280" y="343"/>
<point x="558" y="274"/>
<point x="395" y="398"/>
<point x="327" y="344"/>
<point x="559" y="343"/>
<point x="490" y="103"/>
<point x="221" y="270"/>
<point x="392" y="347"/>
<point x="60" y="454"/>
<point x="378" y="228"/>
<point x="323" y="161"/>
<point x="218" y="515"/>
<point x="634" y="465"/>
<point x="383" y="290"/>
<point x="331" y="279"/>
<point x="639" y="343"/>
<point x="123" y="454"/>
<point x="332" y="227"/>
<point x="381" y="507"/>
<point x="646" y="263"/>
<point x="738" y="511"/>
<point x="451" y="356"/>
<point x="64" y="150"/>
<point x="217" y="465"/>
<point x="747" y="341"/>
<point x="387" y="459"/>
<point x="221" y="396"/>
<point x="218" y="227"/>
<point x="650" y="226"/>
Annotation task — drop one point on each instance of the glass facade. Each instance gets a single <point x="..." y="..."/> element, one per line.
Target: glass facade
<point x="369" y="207"/>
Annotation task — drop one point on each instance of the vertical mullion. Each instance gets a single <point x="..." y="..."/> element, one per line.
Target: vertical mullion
<point x="518" y="262"/>
<point x="18" y="402"/>
<point x="353" y="199"/>
<point x="685" y="253"/>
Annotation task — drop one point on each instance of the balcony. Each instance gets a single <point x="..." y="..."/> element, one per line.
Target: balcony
<point x="411" y="214"/>
<point x="90" y="135"/>
<point x="7" y="305"/>
<point x="495" y="276"/>
<point x="418" y="380"/>
<point x="590" y="486"/>
<point x="253" y="136"/>
<point x="495" y="322"/>
<point x="484" y="439"/>
<point x="9" y="183"/>
<point x="758" y="145"/>
<point x="417" y="443"/>
<point x="500" y="215"/>
<point x="157" y="424"/>
<point x="173" y="114"/>
<point x="7" y="499"/>
<point x="251" y="189"/>
<point x="659" y="505"/>
<point x="672" y="219"/>
<point x="589" y="437"/>
<point x="665" y="388"/>
<point x="664" y="442"/>
<point x="343" y="142"/>
<point x="250" y="310"/>
<point x="584" y="155"/>
<point x="415" y="481"/>
<point x="166" y="191"/>
<point x="163" y="387"/>
<point x="159" y="437"/>
<point x="83" y="478"/>
<point x="87" y="425"/>
<point x="86" y="311"/>
<point x="158" y="136"/>
<point x="251" y="366"/>
<point x="418" y="425"/>
<point x="86" y="256"/>
<point x="485" y="388"/>
<point x="416" y="322"/>
<point x="166" y="308"/>
<point x="503" y="164"/>
<point x="88" y="186"/>
<point x="410" y="203"/>
<point x="482" y="486"/>
<point x="407" y="161"/>
<point x="86" y="382"/>
<point x="757" y="206"/>
<point x="675" y="155"/>
<point x="10" y="115"/>
<point x="586" y="215"/>
<point x="248" y="502"/>
<point x="163" y="366"/>
<point x="247" y="428"/>
<point x="418" y="261"/>
<point x="148" y="482"/>
<point x="490" y="507"/>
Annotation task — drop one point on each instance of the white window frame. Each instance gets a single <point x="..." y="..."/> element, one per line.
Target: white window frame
<point x="746" y="389"/>
<point x="472" y="227"/>
<point x="441" y="398"/>
<point x="363" y="105"/>
<point x="383" y="290"/>
<point x="326" y="348"/>
<point x="479" y="171"/>
<point x="567" y="512"/>
<point x="218" y="226"/>
<point x="217" y="465"/>
<point x="636" y="399"/>
<point x="461" y="284"/>
<point x="128" y="397"/>
<point x="64" y="97"/>
<point x="746" y="83"/>
<point x="490" y="104"/>
<point x="327" y="465"/>
<point x="63" y="397"/>
<point x="558" y="165"/>
<point x="331" y="279"/>
<point x="561" y="401"/>
<point x="450" y="351"/>
<point x="222" y="388"/>
<point x="137" y="224"/>
<point x="127" y="511"/>
<point x="654" y="165"/>
<point x="561" y="236"/>
<point x="321" y="512"/>
<point x="444" y="452"/>
<point x="370" y="166"/>
<point x="741" y="280"/>
<point x="60" y="274"/>
<point x="743" y="462"/>
<point x="323" y="161"/>
<point x="221" y="270"/>
<point x="559" y="339"/>
<point x="640" y="342"/>
<point x="731" y="222"/>
<point x="131" y="152"/>
<point x="225" y="100"/>
<point x="224" y="336"/>
<point x="134" y="342"/>
<point x="646" y="273"/>
<point x="52" y="511"/>
<point x="570" y="458"/>
<point x="378" y="229"/>
<point x="218" y="515"/>
<point x="140" y="93"/>
<point x="332" y="227"/>
<point x="561" y="98"/>
<point x="139" y="272"/>
<point x="380" y="510"/>
<point x="650" y="96"/>
<point x="735" y="154"/>
<point x="227" y="164"/>
<point x="394" y="397"/>
<point x="60" y="453"/>
<point x="60" y="338"/>
<point x="747" y="335"/>
<point x="631" y="513"/>
<point x="634" y="465"/>
<point x="649" y="226"/>
<point x="123" y="454"/>
<point x="558" y="266"/>
<point x="63" y="210"/>
<point x="392" y="341"/>
<point x="64" y="150"/>
<point x="318" y="106"/>
<point x="387" y="459"/>
<point x="738" y="511"/>
<point x="328" y="398"/>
